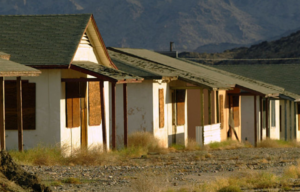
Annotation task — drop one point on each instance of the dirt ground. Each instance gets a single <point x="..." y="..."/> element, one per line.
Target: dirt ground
<point x="175" y="170"/>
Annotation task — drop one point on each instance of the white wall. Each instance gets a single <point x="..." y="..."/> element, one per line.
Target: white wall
<point x="139" y="109"/>
<point x="247" y="119"/>
<point x="48" y="88"/>
<point x="275" y="130"/>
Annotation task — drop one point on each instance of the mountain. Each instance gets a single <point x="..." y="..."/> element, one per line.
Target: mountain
<point x="285" y="50"/>
<point x="152" y="24"/>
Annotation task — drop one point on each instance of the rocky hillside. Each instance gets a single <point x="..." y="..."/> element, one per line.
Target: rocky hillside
<point x="283" y="51"/>
<point x="153" y="24"/>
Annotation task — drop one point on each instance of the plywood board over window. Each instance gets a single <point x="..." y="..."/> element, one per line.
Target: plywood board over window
<point x="72" y="105"/>
<point x="161" y="108"/>
<point x="94" y="104"/>
<point x="180" y="102"/>
<point x="29" y="105"/>
<point x="221" y="110"/>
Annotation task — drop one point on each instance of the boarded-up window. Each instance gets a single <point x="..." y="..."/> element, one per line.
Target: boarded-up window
<point x="180" y="102"/>
<point x="72" y="105"/>
<point x="236" y="110"/>
<point x="94" y="104"/>
<point x="28" y="105"/>
<point x="161" y="108"/>
<point x="298" y="114"/>
<point x="273" y="113"/>
<point x="221" y="109"/>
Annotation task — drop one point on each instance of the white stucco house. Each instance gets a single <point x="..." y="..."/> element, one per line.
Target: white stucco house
<point x="72" y="101"/>
<point x="280" y="112"/>
<point x="213" y="97"/>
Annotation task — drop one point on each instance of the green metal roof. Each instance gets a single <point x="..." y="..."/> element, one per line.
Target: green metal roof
<point x="283" y="75"/>
<point x="135" y="70"/>
<point x="42" y="39"/>
<point x="161" y="69"/>
<point x="192" y="71"/>
<point x="105" y="71"/>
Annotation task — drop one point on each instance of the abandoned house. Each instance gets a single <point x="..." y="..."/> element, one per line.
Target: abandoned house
<point x="213" y="99"/>
<point x="280" y="113"/>
<point x="16" y="99"/>
<point x="72" y="101"/>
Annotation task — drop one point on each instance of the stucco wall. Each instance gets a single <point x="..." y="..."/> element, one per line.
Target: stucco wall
<point x="161" y="133"/>
<point x="247" y="119"/>
<point x="139" y="109"/>
<point x="48" y="88"/>
<point x="275" y="130"/>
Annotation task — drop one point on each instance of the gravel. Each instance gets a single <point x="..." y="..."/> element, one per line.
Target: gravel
<point x="174" y="170"/>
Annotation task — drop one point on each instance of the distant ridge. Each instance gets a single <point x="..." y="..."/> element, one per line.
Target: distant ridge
<point x="190" y="24"/>
<point x="285" y="50"/>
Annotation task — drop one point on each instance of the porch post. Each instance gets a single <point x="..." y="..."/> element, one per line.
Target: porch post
<point x="19" y="114"/>
<point x="209" y="107"/>
<point x="113" y="94"/>
<point x="267" y="118"/>
<point x="255" y="122"/>
<point x="202" y="113"/>
<point x="2" y="113"/>
<point x="125" y="114"/>
<point x="102" y="100"/>
<point x="261" y="118"/>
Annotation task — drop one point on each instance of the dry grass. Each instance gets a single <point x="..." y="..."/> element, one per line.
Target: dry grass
<point x="270" y="143"/>
<point x="192" y="146"/>
<point x="252" y="180"/>
<point x="140" y="143"/>
<point x="292" y="171"/>
<point x="147" y="183"/>
<point x="71" y="180"/>
<point x="40" y="155"/>
<point x="228" y="144"/>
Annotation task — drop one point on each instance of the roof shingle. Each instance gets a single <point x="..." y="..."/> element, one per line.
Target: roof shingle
<point x="42" y="39"/>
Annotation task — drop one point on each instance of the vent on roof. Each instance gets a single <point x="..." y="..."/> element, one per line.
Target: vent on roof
<point x="85" y="41"/>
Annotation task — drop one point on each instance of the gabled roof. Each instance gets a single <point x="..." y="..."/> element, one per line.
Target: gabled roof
<point x="160" y="69"/>
<point x="197" y="73"/>
<point x="40" y="40"/>
<point x="283" y="75"/>
<point x="102" y="71"/>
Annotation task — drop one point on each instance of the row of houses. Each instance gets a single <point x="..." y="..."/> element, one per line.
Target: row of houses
<point x="76" y="92"/>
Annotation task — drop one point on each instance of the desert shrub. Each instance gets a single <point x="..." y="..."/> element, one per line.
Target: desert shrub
<point x="143" y="140"/>
<point x="192" y="146"/>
